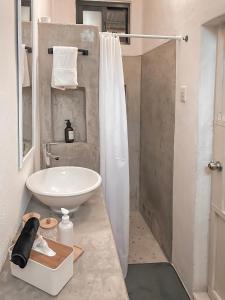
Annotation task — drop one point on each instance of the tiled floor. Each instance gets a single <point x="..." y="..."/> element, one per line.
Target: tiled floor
<point x="143" y="246"/>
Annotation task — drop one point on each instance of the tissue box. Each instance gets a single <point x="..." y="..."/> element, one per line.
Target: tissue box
<point x="49" y="274"/>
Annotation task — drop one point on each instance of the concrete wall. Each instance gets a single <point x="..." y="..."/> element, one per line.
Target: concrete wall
<point x="13" y="194"/>
<point x="57" y="106"/>
<point x="157" y="141"/>
<point x="132" y="77"/>
<point x="193" y="122"/>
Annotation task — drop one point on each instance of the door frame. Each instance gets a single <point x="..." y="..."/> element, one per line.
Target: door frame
<point x="217" y="210"/>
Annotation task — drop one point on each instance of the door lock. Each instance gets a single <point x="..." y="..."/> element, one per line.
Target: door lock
<point x="215" y="165"/>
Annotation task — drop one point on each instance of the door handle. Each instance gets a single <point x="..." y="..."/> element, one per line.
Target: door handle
<point x="215" y="165"/>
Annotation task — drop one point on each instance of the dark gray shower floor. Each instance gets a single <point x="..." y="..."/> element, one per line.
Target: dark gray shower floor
<point x="156" y="281"/>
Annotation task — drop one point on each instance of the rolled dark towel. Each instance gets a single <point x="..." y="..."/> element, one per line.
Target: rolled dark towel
<point x="22" y="249"/>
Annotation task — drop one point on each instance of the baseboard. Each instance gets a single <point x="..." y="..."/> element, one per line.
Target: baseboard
<point x="201" y="296"/>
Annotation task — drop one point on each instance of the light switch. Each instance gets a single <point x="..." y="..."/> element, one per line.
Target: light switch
<point x="183" y="94"/>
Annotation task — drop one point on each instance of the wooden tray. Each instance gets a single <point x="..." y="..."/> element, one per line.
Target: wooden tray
<point x="77" y="252"/>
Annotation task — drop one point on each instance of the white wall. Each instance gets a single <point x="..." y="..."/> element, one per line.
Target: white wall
<point x="136" y="46"/>
<point x="13" y="195"/>
<point x="193" y="134"/>
<point x="64" y="12"/>
<point x="44" y="8"/>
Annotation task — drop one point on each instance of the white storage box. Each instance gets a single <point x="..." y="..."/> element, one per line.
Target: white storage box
<point x="49" y="274"/>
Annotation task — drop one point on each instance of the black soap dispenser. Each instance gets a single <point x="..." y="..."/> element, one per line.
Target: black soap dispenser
<point x="69" y="132"/>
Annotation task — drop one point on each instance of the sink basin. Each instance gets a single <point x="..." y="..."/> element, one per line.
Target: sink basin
<point x="67" y="187"/>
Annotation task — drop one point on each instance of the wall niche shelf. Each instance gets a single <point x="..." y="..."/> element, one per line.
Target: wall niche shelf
<point x="69" y="105"/>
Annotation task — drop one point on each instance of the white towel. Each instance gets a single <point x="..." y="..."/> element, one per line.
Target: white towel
<point x="64" y="70"/>
<point x="24" y="68"/>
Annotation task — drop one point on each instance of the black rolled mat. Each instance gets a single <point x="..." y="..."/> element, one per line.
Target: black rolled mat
<point x="156" y="281"/>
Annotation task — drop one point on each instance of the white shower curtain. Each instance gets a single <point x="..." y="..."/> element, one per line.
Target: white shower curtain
<point x="114" y="158"/>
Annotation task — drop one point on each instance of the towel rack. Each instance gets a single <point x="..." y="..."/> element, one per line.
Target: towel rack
<point x="83" y="51"/>
<point x="29" y="49"/>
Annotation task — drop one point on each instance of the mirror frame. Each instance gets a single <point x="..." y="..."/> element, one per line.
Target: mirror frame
<point x="21" y="157"/>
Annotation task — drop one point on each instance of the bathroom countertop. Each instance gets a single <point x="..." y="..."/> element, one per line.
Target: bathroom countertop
<point x="97" y="273"/>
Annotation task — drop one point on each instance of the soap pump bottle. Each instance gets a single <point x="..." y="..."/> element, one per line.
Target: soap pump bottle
<point x="65" y="230"/>
<point x="69" y="132"/>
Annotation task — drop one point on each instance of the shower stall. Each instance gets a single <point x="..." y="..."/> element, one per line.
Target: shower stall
<point x="150" y="82"/>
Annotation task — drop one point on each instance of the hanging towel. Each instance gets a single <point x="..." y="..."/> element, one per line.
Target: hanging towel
<point x="22" y="248"/>
<point x="24" y="68"/>
<point x="64" y="70"/>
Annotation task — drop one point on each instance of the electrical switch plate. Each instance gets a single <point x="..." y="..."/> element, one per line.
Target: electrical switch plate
<point x="183" y="94"/>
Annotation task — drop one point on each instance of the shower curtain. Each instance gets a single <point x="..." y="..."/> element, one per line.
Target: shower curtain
<point x="114" y="158"/>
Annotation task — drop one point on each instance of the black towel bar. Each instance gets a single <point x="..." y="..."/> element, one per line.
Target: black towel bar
<point x="83" y="51"/>
<point x="29" y="49"/>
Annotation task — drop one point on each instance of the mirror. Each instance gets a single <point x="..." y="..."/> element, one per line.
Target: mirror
<point x="25" y="90"/>
<point x="26" y="10"/>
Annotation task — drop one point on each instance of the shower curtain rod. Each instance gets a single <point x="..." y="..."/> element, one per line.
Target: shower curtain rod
<point x="151" y="36"/>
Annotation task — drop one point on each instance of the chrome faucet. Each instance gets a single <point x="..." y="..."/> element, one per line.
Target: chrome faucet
<point x="48" y="155"/>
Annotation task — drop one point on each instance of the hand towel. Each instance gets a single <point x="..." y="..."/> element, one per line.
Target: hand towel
<point x="22" y="248"/>
<point x="24" y="68"/>
<point x="64" y="70"/>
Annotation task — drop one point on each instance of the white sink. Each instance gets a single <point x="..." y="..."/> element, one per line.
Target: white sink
<point x="67" y="187"/>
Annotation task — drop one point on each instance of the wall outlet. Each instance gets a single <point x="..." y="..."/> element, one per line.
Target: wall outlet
<point x="183" y="93"/>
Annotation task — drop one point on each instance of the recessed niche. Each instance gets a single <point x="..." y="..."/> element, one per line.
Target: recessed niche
<point x="69" y="105"/>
